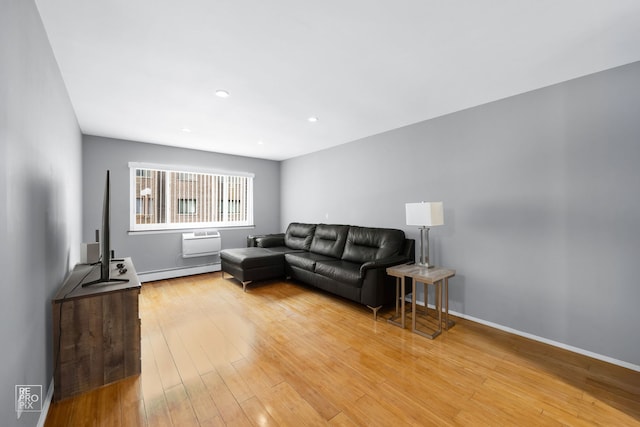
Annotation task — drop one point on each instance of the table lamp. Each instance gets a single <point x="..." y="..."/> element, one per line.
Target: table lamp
<point x="425" y="215"/>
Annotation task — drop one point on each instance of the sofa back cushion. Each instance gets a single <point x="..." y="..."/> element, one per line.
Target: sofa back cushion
<point x="370" y="244"/>
<point x="329" y="240"/>
<point x="299" y="235"/>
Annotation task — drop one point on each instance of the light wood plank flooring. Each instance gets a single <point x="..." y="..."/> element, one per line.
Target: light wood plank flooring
<point x="282" y="354"/>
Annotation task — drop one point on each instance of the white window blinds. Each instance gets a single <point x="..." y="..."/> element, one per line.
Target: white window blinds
<point x="164" y="197"/>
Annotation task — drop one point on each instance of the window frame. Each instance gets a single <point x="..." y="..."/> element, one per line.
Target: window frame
<point x="180" y="170"/>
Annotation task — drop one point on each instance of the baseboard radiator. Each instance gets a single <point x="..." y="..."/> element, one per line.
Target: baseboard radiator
<point x="170" y="273"/>
<point x="201" y="243"/>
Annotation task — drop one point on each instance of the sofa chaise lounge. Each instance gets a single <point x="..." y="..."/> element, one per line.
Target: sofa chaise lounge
<point x="344" y="260"/>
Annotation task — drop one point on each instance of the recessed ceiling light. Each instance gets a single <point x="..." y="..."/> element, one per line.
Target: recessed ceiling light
<point x="222" y="93"/>
<point x="260" y="143"/>
<point x="313" y="119"/>
<point x="186" y="130"/>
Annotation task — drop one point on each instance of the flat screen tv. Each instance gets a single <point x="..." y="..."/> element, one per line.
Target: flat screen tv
<point x="105" y="242"/>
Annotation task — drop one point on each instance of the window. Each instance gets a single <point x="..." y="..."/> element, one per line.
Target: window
<point x="183" y="176"/>
<point x="144" y="205"/>
<point x="164" y="197"/>
<point x="187" y="206"/>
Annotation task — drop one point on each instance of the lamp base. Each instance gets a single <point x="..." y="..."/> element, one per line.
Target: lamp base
<point x="426" y="265"/>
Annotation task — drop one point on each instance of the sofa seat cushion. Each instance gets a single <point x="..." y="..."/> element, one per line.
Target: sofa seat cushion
<point x="305" y="260"/>
<point x="283" y="250"/>
<point x="341" y="271"/>
<point x="248" y="258"/>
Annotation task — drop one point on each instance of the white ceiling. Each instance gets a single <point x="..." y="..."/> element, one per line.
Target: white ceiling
<point x="145" y="69"/>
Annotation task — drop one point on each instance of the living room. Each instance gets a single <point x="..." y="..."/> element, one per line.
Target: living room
<point x="539" y="190"/>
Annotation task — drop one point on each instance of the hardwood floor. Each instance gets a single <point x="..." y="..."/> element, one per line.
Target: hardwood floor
<point x="282" y="354"/>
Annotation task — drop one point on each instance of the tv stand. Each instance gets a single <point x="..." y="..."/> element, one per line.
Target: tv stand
<point x="111" y="280"/>
<point x="105" y="282"/>
<point x="96" y="331"/>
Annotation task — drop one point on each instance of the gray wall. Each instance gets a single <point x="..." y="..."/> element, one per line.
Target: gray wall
<point x="541" y="196"/>
<point x="40" y="213"/>
<point x="161" y="251"/>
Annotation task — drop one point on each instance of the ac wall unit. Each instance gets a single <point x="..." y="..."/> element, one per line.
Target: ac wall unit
<point x="201" y="243"/>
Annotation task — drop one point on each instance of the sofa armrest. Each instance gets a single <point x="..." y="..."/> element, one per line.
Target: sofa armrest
<point x="383" y="263"/>
<point x="266" y="240"/>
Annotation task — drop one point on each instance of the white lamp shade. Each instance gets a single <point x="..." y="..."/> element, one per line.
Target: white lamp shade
<point x="425" y="214"/>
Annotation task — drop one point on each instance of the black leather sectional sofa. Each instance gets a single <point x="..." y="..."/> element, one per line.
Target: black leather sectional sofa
<point x="345" y="260"/>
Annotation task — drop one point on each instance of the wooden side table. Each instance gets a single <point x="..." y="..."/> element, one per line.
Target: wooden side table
<point x="436" y="276"/>
<point x="398" y="272"/>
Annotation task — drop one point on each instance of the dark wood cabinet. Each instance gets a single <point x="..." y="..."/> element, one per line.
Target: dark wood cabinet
<point x="96" y="331"/>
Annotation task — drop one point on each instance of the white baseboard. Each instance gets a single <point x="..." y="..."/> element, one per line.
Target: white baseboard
<point x="150" y="276"/>
<point x="537" y="338"/>
<point x="46" y="402"/>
